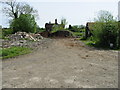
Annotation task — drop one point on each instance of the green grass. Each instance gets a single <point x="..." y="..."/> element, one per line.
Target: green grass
<point x="0" y="53"/>
<point x="90" y="43"/>
<point x="78" y="33"/>
<point x="0" y="33"/>
<point x="14" y="51"/>
<point x="53" y="31"/>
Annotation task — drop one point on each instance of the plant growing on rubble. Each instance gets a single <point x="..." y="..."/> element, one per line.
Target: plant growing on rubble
<point x="25" y="23"/>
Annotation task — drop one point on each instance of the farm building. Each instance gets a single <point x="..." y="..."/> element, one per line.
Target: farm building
<point x="89" y="28"/>
<point x="49" y="26"/>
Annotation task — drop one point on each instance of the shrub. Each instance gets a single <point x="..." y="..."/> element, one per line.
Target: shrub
<point x="105" y="30"/>
<point x="105" y="33"/>
<point x="25" y="23"/>
<point x="38" y="29"/>
<point x="6" y="32"/>
<point x="119" y="34"/>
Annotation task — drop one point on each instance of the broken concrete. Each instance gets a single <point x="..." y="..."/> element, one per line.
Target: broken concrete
<point x="21" y="39"/>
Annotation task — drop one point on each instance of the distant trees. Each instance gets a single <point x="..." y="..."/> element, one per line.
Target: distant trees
<point x="0" y="26"/>
<point x="105" y="32"/>
<point x="63" y="22"/>
<point x="76" y="28"/>
<point x="14" y="9"/>
<point x="22" y="14"/>
<point x="119" y="34"/>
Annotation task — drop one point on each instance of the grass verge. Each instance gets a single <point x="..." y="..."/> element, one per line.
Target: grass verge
<point x="78" y="33"/>
<point x="14" y="51"/>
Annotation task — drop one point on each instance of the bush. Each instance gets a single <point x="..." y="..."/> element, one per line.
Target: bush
<point x="25" y="23"/>
<point x="38" y="30"/>
<point x="105" y="30"/>
<point x="119" y="35"/>
<point x="105" y="33"/>
<point x="6" y="32"/>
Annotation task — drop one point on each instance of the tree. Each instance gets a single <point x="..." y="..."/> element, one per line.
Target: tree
<point x="119" y="34"/>
<point x="25" y="23"/>
<point x="105" y="30"/>
<point x="14" y="9"/>
<point x="0" y="26"/>
<point x="63" y="22"/>
<point x="104" y="16"/>
<point x="82" y="27"/>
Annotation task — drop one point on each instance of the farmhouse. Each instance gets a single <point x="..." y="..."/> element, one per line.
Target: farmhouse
<point x="48" y="26"/>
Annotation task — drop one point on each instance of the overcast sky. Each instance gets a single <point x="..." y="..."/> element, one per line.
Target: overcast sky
<point x="76" y="12"/>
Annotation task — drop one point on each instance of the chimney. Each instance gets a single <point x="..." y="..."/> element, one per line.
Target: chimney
<point x="56" y="21"/>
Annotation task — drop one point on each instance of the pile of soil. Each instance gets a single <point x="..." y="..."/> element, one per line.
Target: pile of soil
<point x="44" y="34"/>
<point x="61" y="33"/>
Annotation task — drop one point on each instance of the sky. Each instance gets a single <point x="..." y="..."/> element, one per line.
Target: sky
<point x="76" y="12"/>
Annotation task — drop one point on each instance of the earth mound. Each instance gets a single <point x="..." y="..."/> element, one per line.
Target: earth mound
<point x="62" y="33"/>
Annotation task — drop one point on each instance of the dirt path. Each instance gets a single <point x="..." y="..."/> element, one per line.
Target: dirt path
<point x="65" y="63"/>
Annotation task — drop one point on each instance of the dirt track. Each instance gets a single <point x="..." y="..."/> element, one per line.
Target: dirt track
<point x="65" y="63"/>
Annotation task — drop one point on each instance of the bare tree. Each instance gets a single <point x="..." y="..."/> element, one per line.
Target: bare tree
<point x="14" y="9"/>
<point x="63" y="22"/>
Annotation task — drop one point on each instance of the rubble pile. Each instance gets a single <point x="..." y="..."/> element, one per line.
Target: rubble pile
<point x="21" y="39"/>
<point x="26" y="36"/>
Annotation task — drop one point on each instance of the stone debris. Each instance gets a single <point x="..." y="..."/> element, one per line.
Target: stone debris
<point x="21" y="39"/>
<point x="24" y="35"/>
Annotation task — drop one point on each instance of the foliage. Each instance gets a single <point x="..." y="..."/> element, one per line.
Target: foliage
<point x="104" y="16"/>
<point x="118" y="35"/>
<point x="14" y="51"/>
<point x="38" y="29"/>
<point x="90" y="43"/>
<point x="105" y="30"/>
<point x="78" y="33"/>
<point x="81" y="26"/>
<point x="83" y="38"/>
<point x="57" y="28"/>
<point x="6" y="32"/>
<point x="77" y="28"/>
<point x="0" y="51"/>
<point x="25" y="23"/>
<point x="0" y="33"/>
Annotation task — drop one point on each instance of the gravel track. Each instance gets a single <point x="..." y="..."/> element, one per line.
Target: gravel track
<point x="62" y="63"/>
